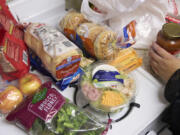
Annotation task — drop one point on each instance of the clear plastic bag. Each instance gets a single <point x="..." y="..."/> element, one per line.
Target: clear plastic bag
<point x="95" y="40"/>
<point x="49" y="113"/>
<point x="10" y="96"/>
<point x="149" y="16"/>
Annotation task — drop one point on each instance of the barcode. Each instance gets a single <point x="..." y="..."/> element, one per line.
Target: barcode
<point x="67" y="43"/>
<point x="25" y="58"/>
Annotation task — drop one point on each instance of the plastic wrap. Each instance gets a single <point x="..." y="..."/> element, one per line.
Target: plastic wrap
<point x="95" y="40"/>
<point x="126" y="60"/>
<point x="149" y="16"/>
<point x="10" y="96"/>
<point x="14" y="59"/>
<point x="107" y="89"/>
<point x="108" y="8"/>
<point x="49" y="113"/>
<point x="59" y="55"/>
<point x="62" y="84"/>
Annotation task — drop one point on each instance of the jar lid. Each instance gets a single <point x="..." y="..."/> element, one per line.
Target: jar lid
<point x="171" y="30"/>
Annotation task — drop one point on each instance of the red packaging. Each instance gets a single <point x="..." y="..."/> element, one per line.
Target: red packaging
<point x="14" y="59"/>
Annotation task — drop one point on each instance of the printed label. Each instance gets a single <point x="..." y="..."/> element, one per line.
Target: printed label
<point x="103" y="77"/>
<point x="48" y="107"/>
<point x="129" y="34"/>
<point x="88" y="45"/>
<point x="39" y="96"/>
<point x="12" y="50"/>
<point x="68" y="67"/>
<point x="71" y="34"/>
<point x="25" y="57"/>
<point x="79" y="42"/>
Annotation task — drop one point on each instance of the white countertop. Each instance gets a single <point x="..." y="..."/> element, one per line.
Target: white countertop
<point x="150" y="90"/>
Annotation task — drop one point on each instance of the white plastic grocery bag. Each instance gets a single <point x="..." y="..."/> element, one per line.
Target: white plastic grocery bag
<point x="109" y="8"/>
<point x="149" y="16"/>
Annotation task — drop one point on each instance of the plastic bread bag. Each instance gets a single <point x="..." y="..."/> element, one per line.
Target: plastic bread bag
<point x="49" y="113"/>
<point x="105" y="46"/>
<point x="95" y="40"/>
<point x="86" y="35"/>
<point x="106" y="88"/>
<point x="62" y="84"/>
<point x="70" y="22"/>
<point x="59" y="55"/>
<point x="14" y="59"/>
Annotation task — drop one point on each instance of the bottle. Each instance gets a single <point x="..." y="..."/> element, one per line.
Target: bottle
<point x="169" y="37"/>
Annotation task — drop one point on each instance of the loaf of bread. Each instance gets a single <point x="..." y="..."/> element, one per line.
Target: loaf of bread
<point x="90" y="30"/>
<point x="88" y="33"/>
<point x="104" y="45"/>
<point x="59" y="55"/>
<point x="72" y="20"/>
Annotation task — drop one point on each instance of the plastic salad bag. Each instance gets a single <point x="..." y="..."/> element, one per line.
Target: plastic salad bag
<point x="49" y="113"/>
<point x="107" y="89"/>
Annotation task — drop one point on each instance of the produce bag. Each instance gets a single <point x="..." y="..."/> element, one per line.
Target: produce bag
<point x="14" y="59"/>
<point x="49" y="113"/>
<point x="12" y="93"/>
<point x="10" y="96"/>
<point x="106" y="88"/>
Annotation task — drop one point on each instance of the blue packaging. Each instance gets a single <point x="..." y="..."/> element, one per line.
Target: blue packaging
<point x="61" y="84"/>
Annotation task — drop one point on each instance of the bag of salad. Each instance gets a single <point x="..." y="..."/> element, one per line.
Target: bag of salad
<point x="49" y="113"/>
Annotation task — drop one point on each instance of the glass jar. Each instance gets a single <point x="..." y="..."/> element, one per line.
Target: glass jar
<point x="169" y="37"/>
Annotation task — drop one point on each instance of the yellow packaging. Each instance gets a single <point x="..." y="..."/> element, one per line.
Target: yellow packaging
<point x="127" y="60"/>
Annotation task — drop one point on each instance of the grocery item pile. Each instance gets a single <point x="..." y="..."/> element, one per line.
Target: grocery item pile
<point x="83" y="52"/>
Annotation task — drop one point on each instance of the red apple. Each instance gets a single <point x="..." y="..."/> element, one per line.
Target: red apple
<point x="29" y="84"/>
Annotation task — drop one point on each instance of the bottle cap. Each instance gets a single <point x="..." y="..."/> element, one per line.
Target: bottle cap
<point x="171" y="30"/>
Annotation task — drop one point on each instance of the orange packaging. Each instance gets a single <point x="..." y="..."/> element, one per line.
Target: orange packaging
<point x="71" y="34"/>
